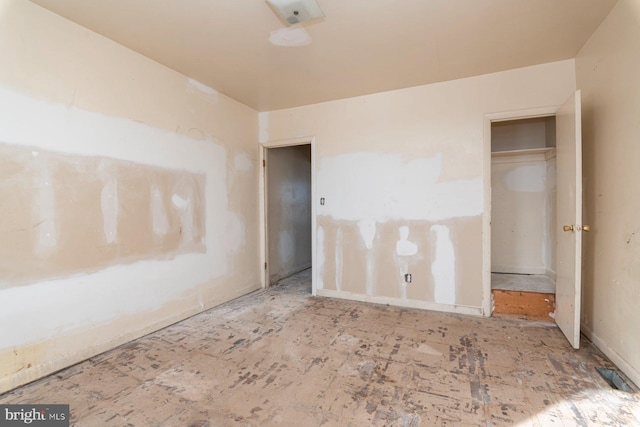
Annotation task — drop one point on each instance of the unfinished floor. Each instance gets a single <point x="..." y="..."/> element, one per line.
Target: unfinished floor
<point x="281" y="357"/>
<point x="523" y="282"/>
<point x="523" y="296"/>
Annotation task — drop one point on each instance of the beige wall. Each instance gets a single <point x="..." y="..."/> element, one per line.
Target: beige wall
<point x="289" y="210"/>
<point x="607" y="72"/>
<point x="402" y="175"/>
<point x="128" y="194"/>
<point x="522" y="208"/>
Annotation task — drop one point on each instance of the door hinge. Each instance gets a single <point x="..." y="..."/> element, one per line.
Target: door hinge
<point x="264" y="163"/>
<point x="265" y="265"/>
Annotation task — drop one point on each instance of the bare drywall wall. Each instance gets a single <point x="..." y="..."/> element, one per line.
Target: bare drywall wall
<point x="402" y="177"/>
<point x="129" y="194"/>
<point x="289" y="210"/>
<point x="522" y="212"/>
<point x="607" y="72"/>
<point x="131" y="212"/>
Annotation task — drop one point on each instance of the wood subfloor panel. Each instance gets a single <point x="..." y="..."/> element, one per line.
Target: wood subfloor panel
<point x="282" y="357"/>
<point x="524" y="305"/>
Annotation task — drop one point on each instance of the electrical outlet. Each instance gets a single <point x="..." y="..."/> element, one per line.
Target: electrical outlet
<point x="407" y="277"/>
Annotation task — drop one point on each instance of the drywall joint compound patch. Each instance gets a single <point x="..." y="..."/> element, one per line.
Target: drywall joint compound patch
<point x="367" y="229"/>
<point x="443" y="266"/>
<point x="403" y="246"/>
<point x="378" y="187"/>
<point x="109" y="204"/>
<point x="339" y="259"/>
<point x="320" y="256"/>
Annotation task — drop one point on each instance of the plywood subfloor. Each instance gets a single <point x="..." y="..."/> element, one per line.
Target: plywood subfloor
<point x="524" y="305"/>
<point x="523" y="282"/>
<point x="281" y="357"/>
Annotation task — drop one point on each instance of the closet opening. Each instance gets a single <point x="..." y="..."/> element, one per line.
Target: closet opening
<point x="523" y="218"/>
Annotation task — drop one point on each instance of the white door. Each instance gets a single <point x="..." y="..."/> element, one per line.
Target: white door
<point x="569" y="218"/>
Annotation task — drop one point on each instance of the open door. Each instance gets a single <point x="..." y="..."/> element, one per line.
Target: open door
<point x="569" y="218"/>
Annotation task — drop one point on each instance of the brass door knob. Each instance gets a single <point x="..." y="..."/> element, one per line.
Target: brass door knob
<point x="586" y="228"/>
<point x="567" y="227"/>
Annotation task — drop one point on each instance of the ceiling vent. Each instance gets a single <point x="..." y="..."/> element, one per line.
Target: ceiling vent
<point x="296" y="11"/>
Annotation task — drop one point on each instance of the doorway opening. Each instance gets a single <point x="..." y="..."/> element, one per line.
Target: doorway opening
<point x="288" y="211"/>
<point x="523" y="218"/>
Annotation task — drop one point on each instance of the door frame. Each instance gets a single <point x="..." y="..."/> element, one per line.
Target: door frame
<point x="486" y="220"/>
<point x="262" y="194"/>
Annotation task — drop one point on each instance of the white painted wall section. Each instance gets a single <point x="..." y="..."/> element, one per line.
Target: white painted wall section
<point x="377" y="187"/>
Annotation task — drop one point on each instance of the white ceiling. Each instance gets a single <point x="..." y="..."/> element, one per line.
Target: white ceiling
<point x="361" y="47"/>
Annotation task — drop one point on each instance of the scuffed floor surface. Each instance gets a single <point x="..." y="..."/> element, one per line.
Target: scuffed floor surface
<point x="523" y="282"/>
<point x="281" y="357"/>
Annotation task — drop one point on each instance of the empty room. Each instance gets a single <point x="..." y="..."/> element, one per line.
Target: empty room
<point x="319" y="212"/>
